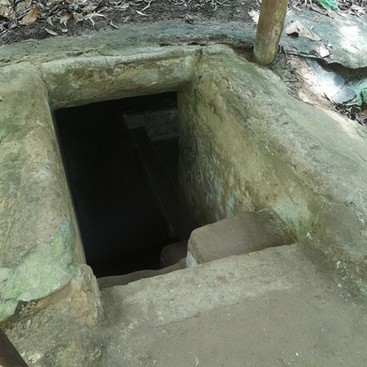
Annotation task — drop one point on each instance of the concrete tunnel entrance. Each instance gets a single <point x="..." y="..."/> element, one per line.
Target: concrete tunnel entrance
<point x="121" y="161"/>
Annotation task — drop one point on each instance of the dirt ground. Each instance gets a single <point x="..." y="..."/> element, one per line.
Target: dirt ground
<point x="70" y="19"/>
<point x="25" y="20"/>
<point x="37" y="19"/>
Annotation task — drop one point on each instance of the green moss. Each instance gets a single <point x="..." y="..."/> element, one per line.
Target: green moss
<point x="46" y="269"/>
<point x="7" y="309"/>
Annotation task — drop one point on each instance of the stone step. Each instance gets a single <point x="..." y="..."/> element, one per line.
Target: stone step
<point x="267" y="308"/>
<point x="112" y="281"/>
<point x="241" y="234"/>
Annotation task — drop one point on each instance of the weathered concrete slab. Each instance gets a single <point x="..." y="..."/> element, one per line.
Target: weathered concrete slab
<point x="86" y="79"/>
<point x="112" y="281"/>
<point x="61" y="329"/>
<point x="129" y="39"/>
<point x="38" y="240"/>
<point x="343" y="36"/>
<point x="241" y="234"/>
<point x="271" y="308"/>
<point x="247" y="150"/>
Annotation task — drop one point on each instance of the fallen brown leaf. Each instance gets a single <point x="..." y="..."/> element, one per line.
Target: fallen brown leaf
<point x="5" y="7"/>
<point x="78" y="17"/>
<point x="65" y="18"/>
<point x="30" y="17"/>
<point x="296" y="28"/>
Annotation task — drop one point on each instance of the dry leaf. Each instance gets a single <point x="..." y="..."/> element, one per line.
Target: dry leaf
<point x="78" y="17"/>
<point x="5" y="8"/>
<point x="90" y="8"/>
<point x="113" y="25"/>
<point x="148" y="6"/>
<point x="189" y="19"/>
<point x="49" y="31"/>
<point x="30" y="17"/>
<point x="23" y="6"/>
<point x="65" y="18"/>
<point x="93" y="15"/>
<point x="298" y="29"/>
<point x="142" y="14"/>
<point x="49" y="21"/>
<point x="122" y="7"/>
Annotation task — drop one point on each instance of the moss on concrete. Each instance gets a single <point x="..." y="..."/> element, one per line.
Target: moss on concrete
<point x="46" y="269"/>
<point x="245" y="144"/>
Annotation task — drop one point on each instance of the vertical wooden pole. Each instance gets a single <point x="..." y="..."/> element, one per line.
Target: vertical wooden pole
<point x="9" y="356"/>
<point x="269" y="30"/>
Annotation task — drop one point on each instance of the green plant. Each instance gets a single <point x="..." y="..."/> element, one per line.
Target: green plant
<point x="361" y="97"/>
<point x="327" y="4"/>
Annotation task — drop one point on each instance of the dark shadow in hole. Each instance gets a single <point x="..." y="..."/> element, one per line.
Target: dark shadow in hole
<point x="123" y="177"/>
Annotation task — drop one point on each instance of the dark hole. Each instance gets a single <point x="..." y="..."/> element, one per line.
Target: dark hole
<point x="121" y="161"/>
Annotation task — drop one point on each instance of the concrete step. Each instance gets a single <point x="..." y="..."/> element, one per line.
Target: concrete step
<point x="267" y="308"/>
<point x="113" y="280"/>
<point x="241" y="234"/>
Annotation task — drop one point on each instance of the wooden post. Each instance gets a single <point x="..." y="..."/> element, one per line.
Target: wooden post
<point x="269" y="30"/>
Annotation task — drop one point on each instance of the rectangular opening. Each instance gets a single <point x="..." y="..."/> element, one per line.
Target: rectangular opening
<point x="121" y="161"/>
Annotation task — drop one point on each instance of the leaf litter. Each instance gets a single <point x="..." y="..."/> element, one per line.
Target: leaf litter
<point x="15" y="13"/>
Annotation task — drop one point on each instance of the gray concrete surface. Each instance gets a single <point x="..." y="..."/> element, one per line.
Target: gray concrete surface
<point x="271" y="308"/>
<point x="241" y="234"/>
<point x="246" y="150"/>
<point x="113" y="280"/>
<point x="243" y="149"/>
<point x="343" y="35"/>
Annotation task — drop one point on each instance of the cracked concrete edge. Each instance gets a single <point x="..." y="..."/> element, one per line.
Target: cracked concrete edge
<point x="172" y="33"/>
<point x="63" y="325"/>
<point x="127" y="39"/>
<point x="35" y="202"/>
<point x="343" y="37"/>
<point x="253" y="93"/>
<point x="215" y="284"/>
<point x="82" y="80"/>
<point x="240" y="234"/>
<point x="313" y="159"/>
<point x="40" y="243"/>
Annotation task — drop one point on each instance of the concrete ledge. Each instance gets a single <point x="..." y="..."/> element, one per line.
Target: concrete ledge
<point x="39" y="241"/>
<point x="249" y="150"/>
<point x="269" y="308"/>
<point x="242" y="234"/>
<point x="87" y="79"/>
<point x="249" y="146"/>
<point x="41" y="244"/>
<point x="118" y="280"/>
